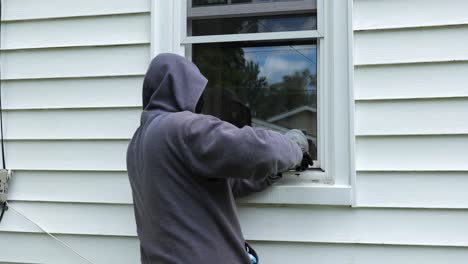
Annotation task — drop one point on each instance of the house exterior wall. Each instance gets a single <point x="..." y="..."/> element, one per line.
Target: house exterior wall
<point x="72" y="73"/>
<point x="72" y="102"/>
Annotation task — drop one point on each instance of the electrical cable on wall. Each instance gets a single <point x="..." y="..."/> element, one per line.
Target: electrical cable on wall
<point x="54" y="237"/>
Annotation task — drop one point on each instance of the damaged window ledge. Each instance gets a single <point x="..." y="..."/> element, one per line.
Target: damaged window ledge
<point x="308" y="188"/>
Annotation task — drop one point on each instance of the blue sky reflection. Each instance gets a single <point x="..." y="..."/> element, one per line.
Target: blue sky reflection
<point x="278" y="61"/>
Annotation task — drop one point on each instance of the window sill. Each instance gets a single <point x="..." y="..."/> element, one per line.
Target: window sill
<point x="301" y="191"/>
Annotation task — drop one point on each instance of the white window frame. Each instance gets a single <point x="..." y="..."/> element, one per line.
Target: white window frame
<point x="335" y="133"/>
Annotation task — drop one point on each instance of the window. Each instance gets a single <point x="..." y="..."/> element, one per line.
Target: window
<point x="269" y="85"/>
<point x="276" y="64"/>
<point x="262" y="83"/>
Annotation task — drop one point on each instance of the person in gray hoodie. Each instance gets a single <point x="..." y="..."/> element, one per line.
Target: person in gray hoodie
<point x="186" y="169"/>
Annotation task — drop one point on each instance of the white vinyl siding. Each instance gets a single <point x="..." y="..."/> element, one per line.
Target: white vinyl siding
<point x="95" y="155"/>
<point x="72" y="74"/>
<point x="75" y="62"/>
<point x="412" y="153"/>
<point x="72" y="186"/>
<point x="80" y="31"/>
<point x="33" y="9"/>
<point x="445" y="189"/>
<point x="274" y="253"/>
<point x="39" y="248"/>
<point x="411" y="81"/>
<point x="411" y="93"/>
<point x="396" y="14"/>
<point x="413" y="45"/>
<point x="403" y="117"/>
<point x="78" y="123"/>
<point x="83" y="92"/>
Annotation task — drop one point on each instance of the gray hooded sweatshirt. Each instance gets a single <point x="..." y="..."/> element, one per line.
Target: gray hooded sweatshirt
<point x="185" y="170"/>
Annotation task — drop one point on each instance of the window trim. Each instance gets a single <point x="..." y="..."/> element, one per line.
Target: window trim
<point x="335" y="38"/>
<point x="287" y="35"/>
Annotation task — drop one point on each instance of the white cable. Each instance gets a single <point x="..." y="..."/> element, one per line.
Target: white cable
<point x="54" y="237"/>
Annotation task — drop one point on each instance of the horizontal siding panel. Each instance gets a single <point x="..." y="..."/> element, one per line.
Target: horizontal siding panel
<point x="412" y="189"/>
<point x="355" y="225"/>
<point x="1" y="262"/>
<point x="306" y="253"/>
<point x="30" y="248"/>
<point x="408" y="153"/>
<point x="86" y="31"/>
<point x="378" y="14"/>
<point x="67" y="218"/>
<point x="75" y="62"/>
<point x="18" y="263"/>
<point x="67" y="155"/>
<point x="69" y="186"/>
<point x="407" y="117"/>
<point x="33" y="9"/>
<point x="304" y="224"/>
<point x="40" y="248"/>
<point x="411" y="81"/>
<point x="114" y="123"/>
<point x="72" y="93"/>
<point x="411" y="45"/>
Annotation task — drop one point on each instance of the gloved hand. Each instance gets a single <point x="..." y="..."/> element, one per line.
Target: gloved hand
<point x="301" y="140"/>
<point x="306" y="161"/>
<point x="297" y="136"/>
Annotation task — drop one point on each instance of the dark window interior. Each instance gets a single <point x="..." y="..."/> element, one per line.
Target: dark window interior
<point x="224" y="2"/>
<point x="256" y="24"/>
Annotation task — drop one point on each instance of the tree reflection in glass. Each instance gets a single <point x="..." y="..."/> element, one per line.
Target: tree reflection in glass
<point x="256" y="24"/>
<point x="270" y="85"/>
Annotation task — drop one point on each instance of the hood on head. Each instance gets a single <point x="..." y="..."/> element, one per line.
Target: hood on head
<point x="172" y="84"/>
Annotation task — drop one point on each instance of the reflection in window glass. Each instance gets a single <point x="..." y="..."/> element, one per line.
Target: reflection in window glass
<point x="269" y="85"/>
<point x="249" y="1"/>
<point x="256" y="24"/>
<point x="259" y="1"/>
<point x="220" y="2"/>
<point x="208" y="2"/>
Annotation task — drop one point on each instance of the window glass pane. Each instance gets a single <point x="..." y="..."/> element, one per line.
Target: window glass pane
<point x="215" y="17"/>
<point x="253" y="24"/>
<point x="221" y="2"/>
<point x="247" y="1"/>
<point x="270" y="85"/>
<point x="208" y="2"/>
<point x="259" y="1"/>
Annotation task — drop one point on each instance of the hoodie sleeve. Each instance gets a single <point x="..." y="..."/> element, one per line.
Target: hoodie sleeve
<point x="219" y="149"/>
<point x="244" y="187"/>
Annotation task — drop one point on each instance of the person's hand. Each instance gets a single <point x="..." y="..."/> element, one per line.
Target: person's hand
<point x="301" y="140"/>
<point x="297" y="136"/>
<point x="306" y="161"/>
